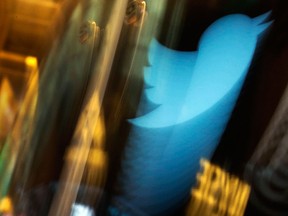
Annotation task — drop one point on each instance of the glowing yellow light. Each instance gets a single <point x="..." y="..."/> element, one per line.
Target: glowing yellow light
<point x="22" y="129"/>
<point x="6" y="93"/>
<point x="31" y="61"/>
<point x="31" y="96"/>
<point x="218" y="193"/>
<point x="74" y="153"/>
<point x="99" y="133"/>
<point x="6" y="205"/>
<point x="7" y="107"/>
<point x="97" y="158"/>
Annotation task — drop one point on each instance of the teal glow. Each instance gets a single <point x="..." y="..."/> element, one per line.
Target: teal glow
<point x="194" y="94"/>
<point x="188" y="82"/>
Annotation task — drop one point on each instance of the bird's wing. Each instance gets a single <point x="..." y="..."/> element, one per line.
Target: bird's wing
<point x="168" y="74"/>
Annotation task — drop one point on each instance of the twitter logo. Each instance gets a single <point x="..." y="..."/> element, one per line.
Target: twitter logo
<point x="187" y="101"/>
<point x="186" y="82"/>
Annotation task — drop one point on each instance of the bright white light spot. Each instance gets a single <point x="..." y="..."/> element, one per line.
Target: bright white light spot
<point x="81" y="210"/>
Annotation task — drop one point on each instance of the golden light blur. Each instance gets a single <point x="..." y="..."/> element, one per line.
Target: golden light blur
<point x="7" y="107"/>
<point x="218" y="193"/>
<point x="86" y="161"/>
<point x="16" y="70"/>
<point x="16" y="143"/>
<point x="32" y="25"/>
<point x="6" y="206"/>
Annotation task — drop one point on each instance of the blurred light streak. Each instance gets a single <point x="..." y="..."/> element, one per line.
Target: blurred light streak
<point x="156" y="11"/>
<point x="80" y="158"/>
<point x="17" y="142"/>
<point x="7" y="108"/>
<point x="176" y="22"/>
<point x="74" y="171"/>
<point x="135" y="15"/>
<point x="6" y="206"/>
<point x="218" y="193"/>
<point x="86" y="160"/>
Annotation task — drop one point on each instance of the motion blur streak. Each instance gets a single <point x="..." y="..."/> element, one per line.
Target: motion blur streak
<point x="18" y="139"/>
<point x="14" y="74"/>
<point x="7" y="108"/>
<point x="6" y="205"/>
<point x="134" y="17"/>
<point x="218" y="193"/>
<point x="84" y="157"/>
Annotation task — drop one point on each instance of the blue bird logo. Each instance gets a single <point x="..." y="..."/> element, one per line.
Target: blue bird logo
<point x="185" y="84"/>
<point x="192" y="95"/>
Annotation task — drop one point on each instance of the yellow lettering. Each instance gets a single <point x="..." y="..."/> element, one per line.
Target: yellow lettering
<point x="218" y="193"/>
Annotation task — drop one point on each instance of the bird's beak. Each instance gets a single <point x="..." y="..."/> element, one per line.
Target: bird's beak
<point x="259" y="22"/>
<point x="262" y="18"/>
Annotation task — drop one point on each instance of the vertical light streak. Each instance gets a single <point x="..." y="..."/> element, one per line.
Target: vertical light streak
<point x="139" y="23"/>
<point x="73" y="172"/>
<point x="7" y="108"/>
<point x="17" y="142"/>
